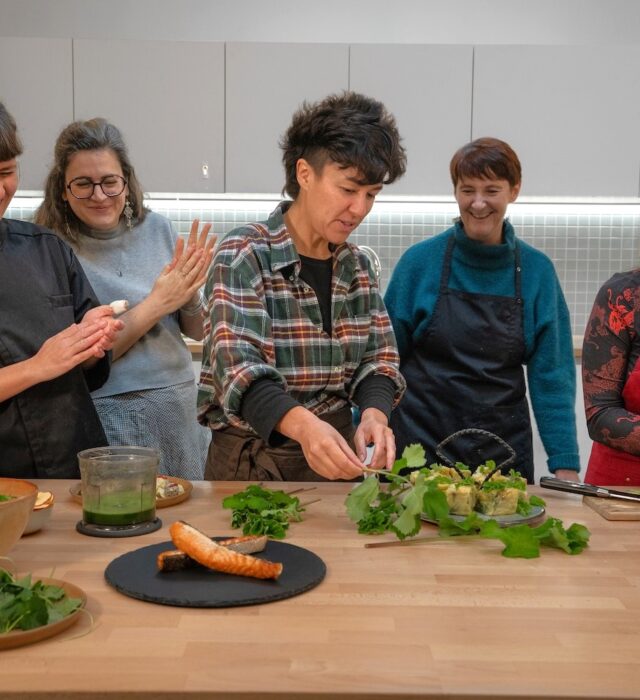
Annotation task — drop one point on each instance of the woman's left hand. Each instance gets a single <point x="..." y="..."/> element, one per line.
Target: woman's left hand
<point x="112" y="326"/>
<point x="374" y="429"/>
<point x="181" y="279"/>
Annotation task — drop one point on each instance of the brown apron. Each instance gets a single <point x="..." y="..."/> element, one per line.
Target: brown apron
<point x="236" y="455"/>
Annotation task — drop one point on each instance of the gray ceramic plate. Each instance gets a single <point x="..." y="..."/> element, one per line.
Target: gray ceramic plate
<point x="537" y="512"/>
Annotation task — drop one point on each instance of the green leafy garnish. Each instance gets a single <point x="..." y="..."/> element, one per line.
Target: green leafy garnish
<point x="24" y="606"/>
<point x="398" y="506"/>
<point x="261" y="511"/>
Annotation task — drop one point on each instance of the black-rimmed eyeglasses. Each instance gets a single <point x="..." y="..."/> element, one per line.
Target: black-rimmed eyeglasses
<point x="83" y="187"/>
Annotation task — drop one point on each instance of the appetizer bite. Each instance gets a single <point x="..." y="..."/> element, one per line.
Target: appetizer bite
<point x="467" y="491"/>
<point x="167" y="488"/>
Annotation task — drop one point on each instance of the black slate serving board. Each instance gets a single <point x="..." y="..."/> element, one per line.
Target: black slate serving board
<point x="135" y="574"/>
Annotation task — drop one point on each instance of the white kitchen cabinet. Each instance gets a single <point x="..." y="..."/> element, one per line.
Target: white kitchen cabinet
<point x="266" y="83"/>
<point x="168" y="100"/>
<point x="428" y="89"/>
<point x="36" y="87"/>
<point x="572" y="113"/>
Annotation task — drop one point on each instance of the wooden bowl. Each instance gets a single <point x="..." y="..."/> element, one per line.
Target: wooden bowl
<point x="15" y="512"/>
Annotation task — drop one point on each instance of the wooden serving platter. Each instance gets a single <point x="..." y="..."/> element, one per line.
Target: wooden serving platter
<point x="613" y="508"/>
<point x="76" y="494"/>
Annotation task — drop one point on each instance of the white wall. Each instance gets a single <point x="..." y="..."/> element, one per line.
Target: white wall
<point x="344" y="21"/>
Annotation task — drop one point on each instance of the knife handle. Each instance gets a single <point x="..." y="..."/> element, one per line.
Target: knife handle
<point x="550" y="482"/>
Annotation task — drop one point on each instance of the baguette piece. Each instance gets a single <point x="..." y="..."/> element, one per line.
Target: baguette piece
<point x="175" y="560"/>
<point x="210" y="554"/>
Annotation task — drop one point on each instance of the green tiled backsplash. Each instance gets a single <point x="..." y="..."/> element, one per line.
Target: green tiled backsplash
<point x="587" y="243"/>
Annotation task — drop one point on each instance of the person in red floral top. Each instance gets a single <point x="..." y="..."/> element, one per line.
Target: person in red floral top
<point x="611" y="382"/>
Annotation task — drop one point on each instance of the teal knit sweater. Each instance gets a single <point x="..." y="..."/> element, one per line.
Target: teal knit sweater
<point x="484" y="269"/>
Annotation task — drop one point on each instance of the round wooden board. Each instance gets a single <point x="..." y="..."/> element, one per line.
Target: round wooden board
<point x="76" y="495"/>
<point x="19" y="638"/>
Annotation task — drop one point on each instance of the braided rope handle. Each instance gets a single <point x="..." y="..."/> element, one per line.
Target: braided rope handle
<point x="477" y="431"/>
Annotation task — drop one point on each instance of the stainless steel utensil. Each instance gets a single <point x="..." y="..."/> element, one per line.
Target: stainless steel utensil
<point x="550" y="482"/>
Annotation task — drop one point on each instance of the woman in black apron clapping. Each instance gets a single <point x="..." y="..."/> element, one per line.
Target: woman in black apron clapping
<point x="470" y="307"/>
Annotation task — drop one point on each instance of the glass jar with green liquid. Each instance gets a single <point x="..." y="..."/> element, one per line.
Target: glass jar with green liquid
<point x="118" y="485"/>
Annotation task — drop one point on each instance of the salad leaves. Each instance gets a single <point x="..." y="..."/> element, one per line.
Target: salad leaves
<point x="398" y="506"/>
<point x="261" y="511"/>
<point x="25" y="605"/>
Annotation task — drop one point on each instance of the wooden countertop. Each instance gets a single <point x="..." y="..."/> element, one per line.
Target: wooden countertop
<point x="450" y="620"/>
<point x="195" y="346"/>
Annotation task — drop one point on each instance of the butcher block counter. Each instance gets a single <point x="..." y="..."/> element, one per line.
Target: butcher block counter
<point x="452" y="619"/>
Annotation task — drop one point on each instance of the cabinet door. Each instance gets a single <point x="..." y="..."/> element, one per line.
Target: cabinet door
<point x="266" y="83"/>
<point x="572" y="113"/>
<point x="428" y="89"/>
<point x="36" y="87"/>
<point x="167" y="98"/>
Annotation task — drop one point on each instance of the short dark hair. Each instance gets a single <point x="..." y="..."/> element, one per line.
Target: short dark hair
<point x="91" y="135"/>
<point x="349" y="129"/>
<point x="10" y="144"/>
<point x="486" y="157"/>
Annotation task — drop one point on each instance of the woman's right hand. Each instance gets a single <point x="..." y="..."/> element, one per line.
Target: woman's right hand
<point x="69" y="348"/>
<point x="325" y="450"/>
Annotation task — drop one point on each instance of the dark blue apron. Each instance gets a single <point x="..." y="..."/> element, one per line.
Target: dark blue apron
<point x="466" y="372"/>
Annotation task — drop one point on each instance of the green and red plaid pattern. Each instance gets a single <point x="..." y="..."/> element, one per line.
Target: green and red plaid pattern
<point x="264" y="321"/>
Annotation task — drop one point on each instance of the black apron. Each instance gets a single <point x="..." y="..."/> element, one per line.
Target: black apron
<point x="466" y="372"/>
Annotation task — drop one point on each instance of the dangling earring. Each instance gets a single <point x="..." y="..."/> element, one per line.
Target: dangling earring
<point x="128" y="213"/>
<point x="67" y="228"/>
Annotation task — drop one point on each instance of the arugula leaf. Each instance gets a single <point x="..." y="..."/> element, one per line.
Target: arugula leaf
<point x="25" y="606"/>
<point x="434" y="502"/>
<point x="552" y="534"/>
<point x="361" y="497"/>
<point x="379" y="518"/>
<point x="519" y="540"/>
<point x="415" y="456"/>
<point x="261" y="511"/>
<point x="408" y="522"/>
<point x="537" y="501"/>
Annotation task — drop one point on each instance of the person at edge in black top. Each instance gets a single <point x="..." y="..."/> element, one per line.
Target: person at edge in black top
<point x="54" y="341"/>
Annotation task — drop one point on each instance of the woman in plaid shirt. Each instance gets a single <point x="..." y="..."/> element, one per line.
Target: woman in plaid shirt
<point x="297" y="332"/>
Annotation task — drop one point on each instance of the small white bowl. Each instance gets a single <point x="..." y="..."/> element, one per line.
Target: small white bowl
<point x="40" y="514"/>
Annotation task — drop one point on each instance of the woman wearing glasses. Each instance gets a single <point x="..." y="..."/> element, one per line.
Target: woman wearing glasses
<point x="94" y="201"/>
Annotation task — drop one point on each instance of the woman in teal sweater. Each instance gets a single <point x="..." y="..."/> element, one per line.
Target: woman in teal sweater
<point x="469" y="308"/>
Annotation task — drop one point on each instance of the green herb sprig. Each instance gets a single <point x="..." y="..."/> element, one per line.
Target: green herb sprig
<point x="398" y="508"/>
<point x="261" y="511"/>
<point x="25" y="605"/>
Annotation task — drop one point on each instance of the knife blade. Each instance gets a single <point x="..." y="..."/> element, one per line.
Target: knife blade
<point x="550" y="482"/>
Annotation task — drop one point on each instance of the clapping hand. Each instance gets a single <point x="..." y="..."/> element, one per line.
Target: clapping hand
<point x="181" y="279"/>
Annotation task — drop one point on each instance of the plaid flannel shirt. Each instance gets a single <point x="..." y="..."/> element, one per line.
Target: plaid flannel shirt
<point x="264" y="321"/>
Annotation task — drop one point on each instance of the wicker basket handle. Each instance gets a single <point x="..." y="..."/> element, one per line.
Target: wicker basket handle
<point x="477" y="431"/>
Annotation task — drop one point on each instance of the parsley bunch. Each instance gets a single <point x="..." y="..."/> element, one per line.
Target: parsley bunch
<point x="261" y="511"/>
<point x="24" y="605"/>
